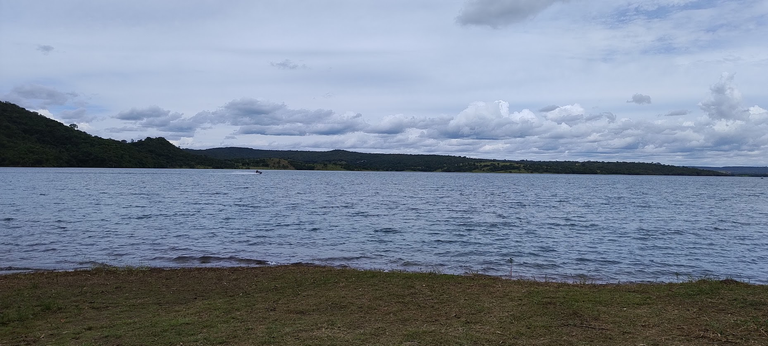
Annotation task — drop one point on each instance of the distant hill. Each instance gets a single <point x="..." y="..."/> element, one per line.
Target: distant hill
<point x="28" y="139"/>
<point x="347" y="160"/>
<point x="742" y="171"/>
<point x="339" y="159"/>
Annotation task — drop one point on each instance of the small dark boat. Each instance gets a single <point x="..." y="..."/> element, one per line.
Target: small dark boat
<point x="257" y="171"/>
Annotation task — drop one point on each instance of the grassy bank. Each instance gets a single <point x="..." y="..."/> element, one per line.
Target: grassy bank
<point x="317" y="305"/>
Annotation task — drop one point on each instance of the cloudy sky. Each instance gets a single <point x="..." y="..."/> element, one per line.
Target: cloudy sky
<point x="671" y="81"/>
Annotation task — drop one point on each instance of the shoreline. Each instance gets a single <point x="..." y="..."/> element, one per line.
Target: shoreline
<point x="562" y="279"/>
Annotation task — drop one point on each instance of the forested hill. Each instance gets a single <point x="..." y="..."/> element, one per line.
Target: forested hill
<point x="28" y="139"/>
<point x="339" y="159"/>
<point x="740" y="170"/>
<point x="346" y="160"/>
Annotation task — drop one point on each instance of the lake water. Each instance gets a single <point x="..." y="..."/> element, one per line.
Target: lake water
<point x="546" y="227"/>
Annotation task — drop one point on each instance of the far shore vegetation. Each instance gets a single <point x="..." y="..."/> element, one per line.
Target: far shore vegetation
<point x="309" y="305"/>
<point x="28" y="139"/>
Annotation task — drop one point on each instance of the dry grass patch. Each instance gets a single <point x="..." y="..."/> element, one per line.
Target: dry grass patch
<point x="300" y="305"/>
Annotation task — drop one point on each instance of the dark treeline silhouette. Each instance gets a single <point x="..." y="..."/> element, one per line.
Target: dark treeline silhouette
<point x="740" y="170"/>
<point x="347" y="160"/>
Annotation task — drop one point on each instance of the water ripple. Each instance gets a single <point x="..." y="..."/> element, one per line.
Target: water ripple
<point x="599" y="228"/>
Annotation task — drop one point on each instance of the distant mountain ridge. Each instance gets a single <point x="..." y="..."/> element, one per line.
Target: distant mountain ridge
<point x="339" y="159"/>
<point x="740" y="170"/>
<point x="347" y="160"/>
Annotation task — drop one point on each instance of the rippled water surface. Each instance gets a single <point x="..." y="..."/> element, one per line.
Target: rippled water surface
<point x="559" y="227"/>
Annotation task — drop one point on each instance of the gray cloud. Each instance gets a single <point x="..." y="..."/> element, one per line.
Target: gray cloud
<point x="45" y="49"/>
<point x="607" y="115"/>
<point x="396" y="124"/>
<point x="38" y="96"/>
<point x="63" y="106"/>
<point x="724" y="101"/>
<point x="254" y="112"/>
<point x="251" y="116"/>
<point x="548" y="108"/>
<point x="677" y="113"/>
<point x="79" y="114"/>
<point x="499" y="13"/>
<point x="138" y="114"/>
<point x="288" y="64"/>
<point x="246" y="111"/>
<point x="171" y="123"/>
<point x="640" y="99"/>
<point x="337" y="125"/>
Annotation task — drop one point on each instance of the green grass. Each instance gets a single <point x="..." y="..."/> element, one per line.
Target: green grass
<point x="305" y="305"/>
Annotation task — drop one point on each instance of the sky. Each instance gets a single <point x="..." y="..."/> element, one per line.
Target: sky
<point x="679" y="82"/>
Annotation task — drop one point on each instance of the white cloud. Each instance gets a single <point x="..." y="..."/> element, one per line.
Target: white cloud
<point x="724" y="102"/>
<point x="399" y="123"/>
<point x="758" y="115"/>
<point x="571" y="114"/>
<point x="45" y="113"/>
<point x="395" y="124"/>
<point x="490" y="121"/>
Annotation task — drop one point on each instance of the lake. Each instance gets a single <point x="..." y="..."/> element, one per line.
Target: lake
<point x="594" y="228"/>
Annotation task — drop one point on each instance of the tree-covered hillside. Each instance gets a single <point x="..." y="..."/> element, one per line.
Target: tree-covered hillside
<point x="346" y="160"/>
<point x="741" y="170"/>
<point x="342" y="159"/>
<point x="28" y="139"/>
